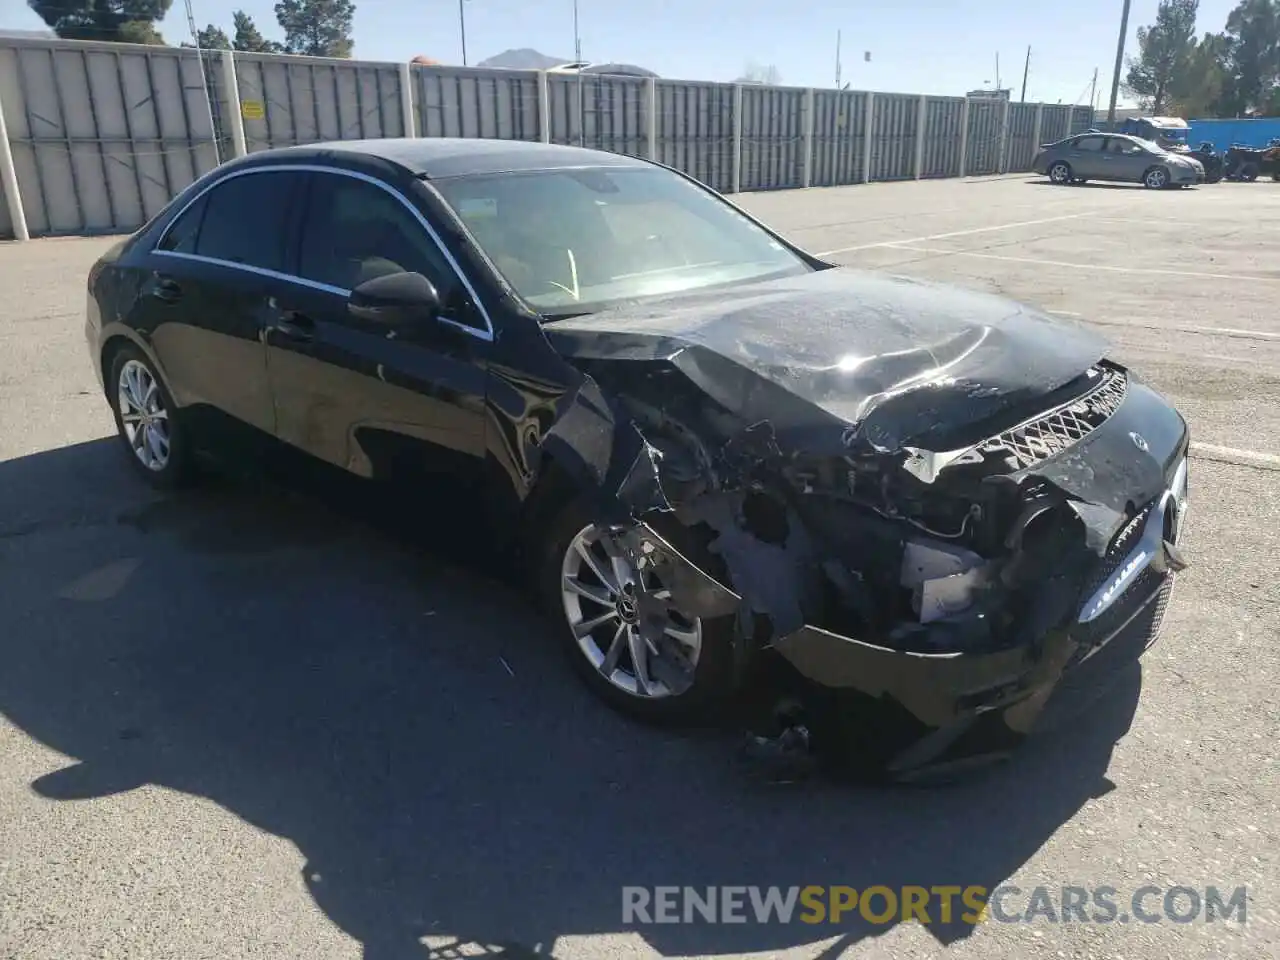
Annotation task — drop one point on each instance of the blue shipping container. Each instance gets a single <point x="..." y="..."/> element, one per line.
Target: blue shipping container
<point x="1223" y="133"/>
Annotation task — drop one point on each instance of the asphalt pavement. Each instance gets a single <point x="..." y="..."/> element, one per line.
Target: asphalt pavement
<point x="242" y="723"/>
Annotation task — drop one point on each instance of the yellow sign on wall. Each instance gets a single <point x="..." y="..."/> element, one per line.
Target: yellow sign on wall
<point x="253" y="109"/>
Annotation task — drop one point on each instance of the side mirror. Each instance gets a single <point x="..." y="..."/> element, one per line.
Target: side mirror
<point x="395" y="299"/>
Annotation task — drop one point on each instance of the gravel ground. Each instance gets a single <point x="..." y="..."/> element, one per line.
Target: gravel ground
<point x="243" y="724"/>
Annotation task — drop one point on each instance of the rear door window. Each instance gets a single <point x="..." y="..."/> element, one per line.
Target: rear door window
<point x="246" y="220"/>
<point x="1089" y="144"/>
<point x="182" y="234"/>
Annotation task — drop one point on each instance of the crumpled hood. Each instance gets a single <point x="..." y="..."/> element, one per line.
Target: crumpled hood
<point x="893" y="358"/>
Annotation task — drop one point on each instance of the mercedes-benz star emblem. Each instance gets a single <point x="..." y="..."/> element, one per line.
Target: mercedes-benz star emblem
<point x="1139" y="441"/>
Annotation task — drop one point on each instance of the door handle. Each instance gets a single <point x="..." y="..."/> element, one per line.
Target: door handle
<point x="294" y="325"/>
<point x="167" y="289"/>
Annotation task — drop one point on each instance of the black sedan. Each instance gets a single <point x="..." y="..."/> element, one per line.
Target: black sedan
<point x="904" y="512"/>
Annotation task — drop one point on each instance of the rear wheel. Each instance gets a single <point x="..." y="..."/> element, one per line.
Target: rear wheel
<point x="1157" y="178"/>
<point x="624" y="633"/>
<point x="1060" y="172"/>
<point x="148" y="420"/>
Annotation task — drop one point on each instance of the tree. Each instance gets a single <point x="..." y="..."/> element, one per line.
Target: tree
<point x="1199" y="91"/>
<point x="124" y="21"/>
<point x="760" y="73"/>
<point x="248" y="38"/>
<point x="212" y="38"/>
<point x="1164" y="53"/>
<point x="1253" y="61"/>
<point x="317" y="28"/>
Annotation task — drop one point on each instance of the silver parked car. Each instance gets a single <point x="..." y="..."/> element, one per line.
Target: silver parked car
<point x="1099" y="156"/>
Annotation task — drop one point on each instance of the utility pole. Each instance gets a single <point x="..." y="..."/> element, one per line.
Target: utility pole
<point x="1115" y="78"/>
<point x="577" y="39"/>
<point x="1025" y="68"/>
<point x="577" y="58"/>
<point x="462" y="27"/>
<point x="837" y="59"/>
<point x="997" y="73"/>
<point x="1093" y="97"/>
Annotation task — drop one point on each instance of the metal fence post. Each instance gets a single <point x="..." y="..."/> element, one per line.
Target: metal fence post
<point x="1035" y="130"/>
<point x="964" y="138"/>
<point x="922" y="118"/>
<point x="737" y="138"/>
<point x="235" y="118"/>
<point x="407" y="111"/>
<point x="652" y="118"/>
<point x="867" y="127"/>
<point x="808" y="138"/>
<point x="544" y="107"/>
<point x="9" y="177"/>
<point x="1003" y="164"/>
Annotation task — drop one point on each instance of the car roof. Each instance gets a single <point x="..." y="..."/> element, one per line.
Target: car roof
<point x="435" y="158"/>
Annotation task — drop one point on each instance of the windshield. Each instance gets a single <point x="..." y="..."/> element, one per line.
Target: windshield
<point x="575" y="241"/>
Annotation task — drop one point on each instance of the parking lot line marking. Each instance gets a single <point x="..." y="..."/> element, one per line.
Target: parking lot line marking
<point x="908" y="246"/>
<point x="953" y="233"/>
<point x="1235" y="456"/>
<point x="1234" y="333"/>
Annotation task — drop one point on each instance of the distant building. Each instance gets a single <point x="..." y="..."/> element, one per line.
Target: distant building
<point x="606" y="69"/>
<point x="28" y="35"/>
<point x="528" y="59"/>
<point x="987" y="93"/>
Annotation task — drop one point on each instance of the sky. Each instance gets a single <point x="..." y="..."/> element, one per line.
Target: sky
<point x="916" y="46"/>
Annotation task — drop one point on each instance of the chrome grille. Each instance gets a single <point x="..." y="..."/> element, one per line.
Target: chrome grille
<point x="1059" y="429"/>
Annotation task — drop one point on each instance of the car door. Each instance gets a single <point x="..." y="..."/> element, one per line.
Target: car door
<point x="206" y="298"/>
<point x="403" y="404"/>
<point x="1086" y="161"/>
<point x="1128" y="160"/>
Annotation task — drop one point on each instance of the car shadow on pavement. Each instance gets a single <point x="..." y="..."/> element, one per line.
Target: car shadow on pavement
<point x="1090" y="185"/>
<point x="412" y="729"/>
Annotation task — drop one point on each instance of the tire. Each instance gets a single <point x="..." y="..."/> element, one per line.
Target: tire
<point x="1060" y="172"/>
<point x="1157" y="178"/>
<point x="131" y="381"/>
<point x="709" y="682"/>
<point x="1249" y="172"/>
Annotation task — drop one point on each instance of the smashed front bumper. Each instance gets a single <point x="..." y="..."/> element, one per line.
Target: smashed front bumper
<point x="913" y="715"/>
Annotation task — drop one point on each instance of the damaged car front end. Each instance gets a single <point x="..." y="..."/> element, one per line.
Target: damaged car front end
<point x="918" y="526"/>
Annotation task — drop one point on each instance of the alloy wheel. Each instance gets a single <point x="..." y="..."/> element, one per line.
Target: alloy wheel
<point x="622" y="614"/>
<point x="143" y="415"/>
<point x="1059" y="173"/>
<point x="1157" y="178"/>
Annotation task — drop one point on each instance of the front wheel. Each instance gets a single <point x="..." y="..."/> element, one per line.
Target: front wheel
<point x="147" y="420"/>
<point x="1060" y="173"/>
<point x="1157" y="178"/>
<point x="624" y="633"/>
